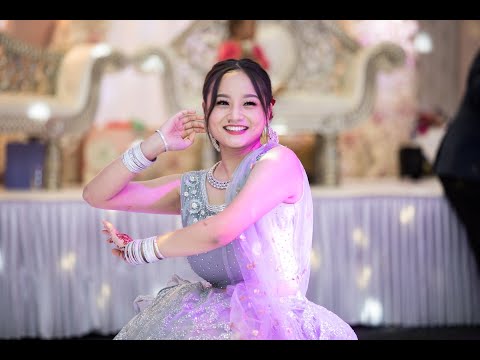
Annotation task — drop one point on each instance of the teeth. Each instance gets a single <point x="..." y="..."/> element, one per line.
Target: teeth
<point x="235" y="128"/>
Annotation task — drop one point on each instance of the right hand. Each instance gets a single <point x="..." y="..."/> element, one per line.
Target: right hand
<point x="180" y="129"/>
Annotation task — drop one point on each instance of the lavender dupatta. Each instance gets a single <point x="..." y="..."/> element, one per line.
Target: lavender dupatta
<point x="275" y="269"/>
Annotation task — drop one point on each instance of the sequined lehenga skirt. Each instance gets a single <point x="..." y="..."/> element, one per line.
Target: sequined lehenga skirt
<point x="196" y="311"/>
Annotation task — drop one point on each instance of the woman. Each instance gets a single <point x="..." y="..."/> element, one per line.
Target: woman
<point x="247" y="222"/>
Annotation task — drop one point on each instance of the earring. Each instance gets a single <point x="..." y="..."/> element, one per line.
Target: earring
<point x="264" y="136"/>
<point x="215" y="144"/>
<point x="272" y="135"/>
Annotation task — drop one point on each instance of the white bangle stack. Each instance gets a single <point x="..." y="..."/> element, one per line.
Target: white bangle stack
<point x="135" y="160"/>
<point x="142" y="251"/>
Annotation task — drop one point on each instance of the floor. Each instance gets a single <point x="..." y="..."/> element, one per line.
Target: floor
<point x="431" y="333"/>
<point x="385" y="333"/>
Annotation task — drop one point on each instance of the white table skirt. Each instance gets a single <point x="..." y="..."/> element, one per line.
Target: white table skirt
<point x="383" y="254"/>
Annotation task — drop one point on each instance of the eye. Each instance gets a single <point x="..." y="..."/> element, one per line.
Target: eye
<point x="221" y="102"/>
<point x="251" y="103"/>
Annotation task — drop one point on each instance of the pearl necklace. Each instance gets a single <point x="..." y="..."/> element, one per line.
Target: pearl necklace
<point x="217" y="184"/>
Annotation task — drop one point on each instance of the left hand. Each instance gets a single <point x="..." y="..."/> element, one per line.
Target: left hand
<point x="115" y="237"/>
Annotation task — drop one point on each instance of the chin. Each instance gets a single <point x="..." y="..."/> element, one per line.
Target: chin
<point x="240" y="143"/>
<point x="244" y="146"/>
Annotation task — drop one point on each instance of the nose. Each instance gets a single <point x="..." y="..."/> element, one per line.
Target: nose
<point x="236" y="114"/>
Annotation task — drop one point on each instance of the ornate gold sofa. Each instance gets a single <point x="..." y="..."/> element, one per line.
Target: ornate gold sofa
<point x="49" y="94"/>
<point x="326" y="80"/>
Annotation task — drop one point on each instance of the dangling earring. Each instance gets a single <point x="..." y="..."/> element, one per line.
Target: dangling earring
<point x="272" y="135"/>
<point x="215" y="144"/>
<point x="264" y="136"/>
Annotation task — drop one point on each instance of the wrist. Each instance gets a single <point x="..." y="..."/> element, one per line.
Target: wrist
<point x="153" y="146"/>
<point x="164" y="140"/>
<point x="142" y="251"/>
<point x="135" y="160"/>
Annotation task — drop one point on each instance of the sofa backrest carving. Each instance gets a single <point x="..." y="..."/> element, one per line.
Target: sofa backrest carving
<point x="326" y="79"/>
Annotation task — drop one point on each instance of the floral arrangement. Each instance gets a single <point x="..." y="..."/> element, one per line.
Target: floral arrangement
<point x="428" y="131"/>
<point x="427" y="120"/>
<point x="133" y="124"/>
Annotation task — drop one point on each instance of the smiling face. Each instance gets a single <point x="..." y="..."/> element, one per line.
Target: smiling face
<point x="237" y="118"/>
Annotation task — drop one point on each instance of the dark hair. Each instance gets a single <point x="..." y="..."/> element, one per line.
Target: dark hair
<point x="257" y="75"/>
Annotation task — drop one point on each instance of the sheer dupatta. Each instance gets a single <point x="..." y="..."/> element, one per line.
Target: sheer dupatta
<point x="275" y="267"/>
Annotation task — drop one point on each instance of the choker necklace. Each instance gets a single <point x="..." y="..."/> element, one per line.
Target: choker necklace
<point x="217" y="184"/>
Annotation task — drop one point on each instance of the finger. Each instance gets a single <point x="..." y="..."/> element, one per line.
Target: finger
<point x="118" y="253"/>
<point x="188" y="127"/>
<point x="190" y="138"/>
<point x="197" y="124"/>
<point x="187" y="133"/>
<point x="185" y="113"/>
<point x="194" y="125"/>
<point x="107" y="225"/>
<point x="117" y="241"/>
<point x="198" y="119"/>
<point x="105" y="231"/>
<point x="200" y="131"/>
<point x="193" y="117"/>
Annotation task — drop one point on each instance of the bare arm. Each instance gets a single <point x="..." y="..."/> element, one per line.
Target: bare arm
<point x="113" y="189"/>
<point x="159" y="196"/>
<point x="261" y="193"/>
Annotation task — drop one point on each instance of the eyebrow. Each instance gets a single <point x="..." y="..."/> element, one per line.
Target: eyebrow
<point x="244" y="96"/>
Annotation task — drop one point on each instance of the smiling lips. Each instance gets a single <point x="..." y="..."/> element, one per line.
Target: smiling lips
<point x="235" y="130"/>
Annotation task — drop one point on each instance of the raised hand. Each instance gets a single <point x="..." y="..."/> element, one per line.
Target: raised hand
<point x="180" y="129"/>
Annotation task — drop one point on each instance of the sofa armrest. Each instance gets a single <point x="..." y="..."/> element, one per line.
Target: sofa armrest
<point x="72" y="99"/>
<point x="330" y="113"/>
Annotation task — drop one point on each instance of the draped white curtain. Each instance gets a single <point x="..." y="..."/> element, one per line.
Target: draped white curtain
<point x="393" y="260"/>
<point x="58" y="277"/>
